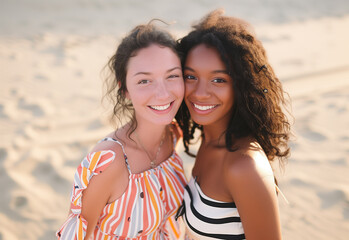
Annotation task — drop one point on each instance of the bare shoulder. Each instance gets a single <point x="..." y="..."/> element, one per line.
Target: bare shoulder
<point x="112" y="149"/>
<point x="249" y="180"/>
<point x="107" y="144"/>
<point x="247" y="167"/>
<point x="107" y="184"/>
<point x="110" y="144"/>
<point x="115" y="173"/>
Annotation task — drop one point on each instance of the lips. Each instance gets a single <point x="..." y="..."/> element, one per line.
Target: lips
<point x="160" y="107"/>
<point x="204" y="107"/>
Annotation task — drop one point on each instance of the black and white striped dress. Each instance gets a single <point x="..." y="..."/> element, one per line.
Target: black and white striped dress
<point x="206" y="218"/>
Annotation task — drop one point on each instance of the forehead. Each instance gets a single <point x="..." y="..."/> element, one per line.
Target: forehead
<point x="204" y="57"/>
<point x="152" y="58"/>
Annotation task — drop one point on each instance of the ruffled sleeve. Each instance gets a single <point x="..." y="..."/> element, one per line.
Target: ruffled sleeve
<point x="93" y="164"/>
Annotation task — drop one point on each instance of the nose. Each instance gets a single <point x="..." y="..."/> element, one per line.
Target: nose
<point x="162" y="90"/>
<point x="202" y="90"/>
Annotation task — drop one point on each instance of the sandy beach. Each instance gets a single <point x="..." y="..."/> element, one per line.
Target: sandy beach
<point x="51" y="83"/>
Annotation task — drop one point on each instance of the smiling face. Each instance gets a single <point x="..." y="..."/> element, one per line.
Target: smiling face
<point x="155" y="84"/>
<point x="208" y="87"/>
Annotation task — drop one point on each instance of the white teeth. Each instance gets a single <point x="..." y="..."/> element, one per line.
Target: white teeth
<point x="161" y="108"/>
<point x="203" y="108"/>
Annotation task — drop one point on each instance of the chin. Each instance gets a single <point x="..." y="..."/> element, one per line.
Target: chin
<point x="203" y="122"/>
<point x="164" y="121"/>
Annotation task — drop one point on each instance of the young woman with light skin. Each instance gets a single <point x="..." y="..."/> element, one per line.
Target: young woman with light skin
<point x="234" y="98"/>
<point x="136" y="180"/>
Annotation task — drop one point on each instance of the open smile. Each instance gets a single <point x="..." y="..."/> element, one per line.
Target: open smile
<point x="204" y="107"/>
<point x="160" y="107"/>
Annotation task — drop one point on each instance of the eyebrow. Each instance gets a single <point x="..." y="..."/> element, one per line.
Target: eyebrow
<point x="215" y="71"/>
<point x="148" y="73"/>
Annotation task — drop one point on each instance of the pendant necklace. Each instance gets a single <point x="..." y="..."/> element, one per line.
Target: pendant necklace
<point x="152" y="161"/>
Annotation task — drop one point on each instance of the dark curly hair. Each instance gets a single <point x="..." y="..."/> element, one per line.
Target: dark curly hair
<point x="258" y="94"/>
<point x="140" y="37"/>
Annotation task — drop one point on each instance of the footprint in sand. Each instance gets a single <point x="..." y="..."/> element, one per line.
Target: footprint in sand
<point x="34" y="108"/>
<point x="20" y="201"/>
<point x="3" y="155"/>
<point x="337" y="107"/>
<point x="309" y="131"/>
<point x="79" y="73"/>
<point x="47" y="173"/>
<point x="2" y="112"/>
<point x="41" y="77"/>
<point x="344" y="138"/>
<point x="340" y="162"/>
<point x="346" y="212"/>
<point x="313" y="135"/>
<point x="95" y="124"/>
<point x="342" y="109"/>
<point x="333" y="197"/>
<point x="301" y="183"/>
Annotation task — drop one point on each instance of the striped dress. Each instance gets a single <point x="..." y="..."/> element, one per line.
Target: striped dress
<point x="207" y="218"/>
<point x="144" y="211"/>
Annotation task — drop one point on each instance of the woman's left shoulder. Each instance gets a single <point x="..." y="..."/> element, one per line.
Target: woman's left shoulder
<point x="248" y="165"/>
<point x="249" y="181"/>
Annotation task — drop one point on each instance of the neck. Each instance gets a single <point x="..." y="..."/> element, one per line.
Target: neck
<point x="214" y="135"/>
<point x="149" y="135"/>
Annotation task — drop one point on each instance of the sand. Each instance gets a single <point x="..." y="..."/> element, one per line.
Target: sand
<point x="51" y="57"/>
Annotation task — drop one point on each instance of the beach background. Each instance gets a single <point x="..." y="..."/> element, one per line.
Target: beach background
<point x="51" y="57"/>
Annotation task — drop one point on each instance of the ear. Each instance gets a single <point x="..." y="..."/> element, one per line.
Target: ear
<point x="127" y="95"/>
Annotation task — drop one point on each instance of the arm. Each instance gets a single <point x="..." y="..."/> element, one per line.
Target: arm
<point x="94" y="198"/>
<point x="99" y="178"/>
<point x="103" y="188"/>
<point x="250" y="182"/>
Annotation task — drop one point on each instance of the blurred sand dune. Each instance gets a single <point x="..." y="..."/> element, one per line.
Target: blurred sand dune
<point x="51" y="57"/>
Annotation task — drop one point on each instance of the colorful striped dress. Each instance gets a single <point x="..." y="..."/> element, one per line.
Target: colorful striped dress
<point x="144" y="211"/>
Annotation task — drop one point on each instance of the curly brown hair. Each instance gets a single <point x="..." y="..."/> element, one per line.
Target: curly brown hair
<point x="258" y="98"/>
<point x="140" y="37"/>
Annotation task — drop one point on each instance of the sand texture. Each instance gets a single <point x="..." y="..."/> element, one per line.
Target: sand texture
<point x="51" y="57"/>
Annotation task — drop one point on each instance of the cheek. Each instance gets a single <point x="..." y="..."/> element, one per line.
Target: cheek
<point x="188" y="89"/>
<point x="180" y="89"/>
<point x="136" y="96"/>
<point x="228" y="96"/>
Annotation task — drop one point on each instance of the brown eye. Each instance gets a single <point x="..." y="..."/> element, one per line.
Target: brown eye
<point x="219" y="80"/>
<point x="189" y="77"/>
<point x="144" y="81"/>
<point x="174" y="76"/>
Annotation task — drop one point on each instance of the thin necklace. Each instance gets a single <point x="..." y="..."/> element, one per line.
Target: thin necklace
<point x="152" y="161"/>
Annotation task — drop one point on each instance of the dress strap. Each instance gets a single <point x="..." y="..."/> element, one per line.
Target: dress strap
<point x="283" y="196"/>
<point x="123" y="150"/>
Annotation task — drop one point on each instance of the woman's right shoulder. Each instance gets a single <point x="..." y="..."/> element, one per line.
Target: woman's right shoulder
<point x="101" y="167"/>
<point x="107" y="153"/>
<point x="109" y="149"/>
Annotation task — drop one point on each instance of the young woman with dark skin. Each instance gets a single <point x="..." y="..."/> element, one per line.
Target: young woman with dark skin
<point x="234" y="98"/>
<point x="132" y="182"/>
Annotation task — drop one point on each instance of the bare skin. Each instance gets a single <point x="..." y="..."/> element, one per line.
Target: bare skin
<point x="243" y="176"/>
<point x="155" y="87"/>
<point x="98" y="194"/>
